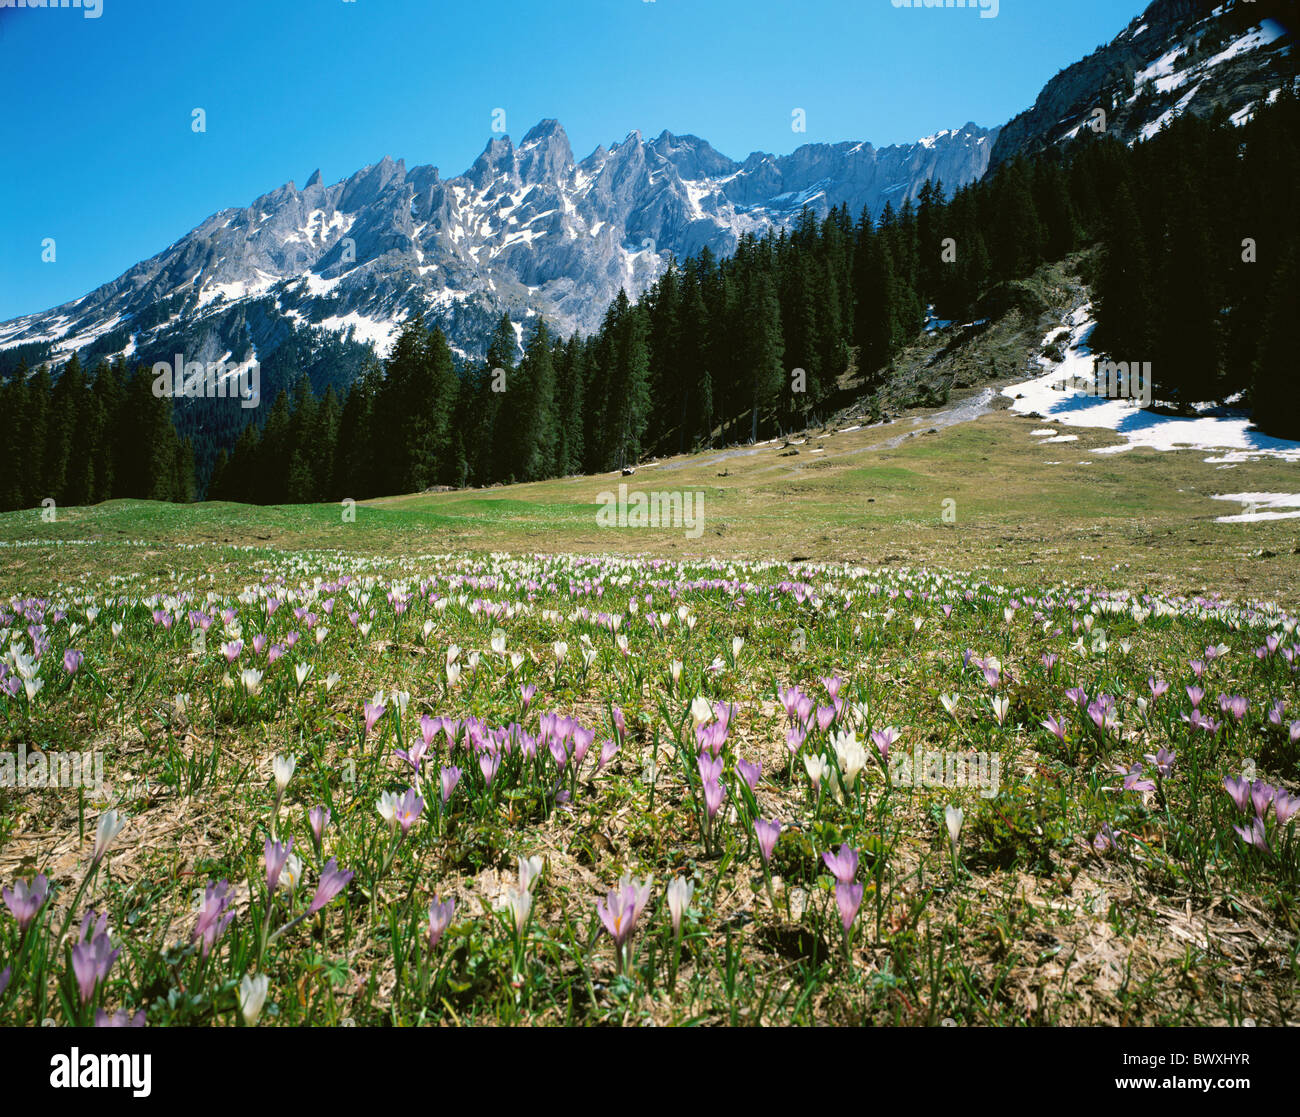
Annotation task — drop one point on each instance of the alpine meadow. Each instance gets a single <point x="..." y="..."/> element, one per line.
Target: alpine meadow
<point x="852" y="584"/>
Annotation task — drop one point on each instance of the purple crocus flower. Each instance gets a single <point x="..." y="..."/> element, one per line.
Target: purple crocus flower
<point x="413" y="756"/>
<point x="25" y="900"/>
<point x="1253" y="835"/>
<point x="844" y="864"/>
<point x="72" y="661"/>
<point x="1196" y="694"/>
<point x="710" y="767"/>
<point x="750" y="773"/>
<point x="1157" y="687"/>
<point x="440" y="913"/>
<point x="1261" y="796"/>
<point x="332" y="882"/>
<point x="526" y="695"/>
<point x="1105" y="839"/>
<point x="488" y="762"/>
<point x="882" y="739"/>
<point x="450" y="778"/>
<point x="608" y="750"/>
<point x="1285" y="806"/>
<point x="848" y="897"/>
<point x="1054" y="727"/>
<point x="275" y="854"/>
<point x="618" y="913"/>
<point x="93" y="955"/>
<point x="373" y="712"/>
<point x="582" y="739"/>
<point x="409" y="808"/>
<point x="1134" y="777"/>
<point x="714" y="793"/>
<point x="1239" y="791"/>
<point x="214" y="917"/>
<point x="318" y="818"/>
<point x="766" y="833"/>
<point x="1163" y="762"/>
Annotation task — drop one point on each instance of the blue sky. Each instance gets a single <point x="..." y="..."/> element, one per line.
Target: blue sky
<point x="101" y="155"/>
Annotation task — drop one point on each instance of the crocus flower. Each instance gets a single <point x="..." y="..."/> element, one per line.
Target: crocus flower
<point x="25" y="900"/>
<point x="450" y="777"/>
<point x="72" y="660"/>
<point x="848" y="897"/>
<point x="883" y="739"/>
<point x="1285" y="805"/>
<point x="530" y="870"/>
<point x="373" y="712"/>
<point x="1253" y="835"/>
<point x="1239" y="791"/>
<point x="387" y="808"/>
<point x="440" y="914"/>
<point x="608" y="750"/>
<point x="618" y="913"/>
<point x="332" y="882"/>
<point x="520" y="903"/>
<point x="749" y="773"/>
<point x="714" y="793"/>
<point x="275" y="854"/>
<point x="489" y="762"/>
<point x="767" y="834"/>
<point x="1261" y="796"/>
<point x="93" y="955"/>
<point x="1054" y="727"/>
<point x="409" y="808"/>
<point x="110" y="825"/>
<point x="213" y="917"/>
<point x="1134" y="778"/>
<point x="680" y="891"/>
<point x="1105" y="839"/>
<point x="282" y="768"/>
<point x="1163" y="762"/>
<point x="318" y="818"/>
<point x="953" y="818"/>
<point x="844" y="864"/>
<point x="252" y="996"/>
<point x="817" y="768"/>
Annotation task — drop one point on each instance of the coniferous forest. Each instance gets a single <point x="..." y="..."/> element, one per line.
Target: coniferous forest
<point x="1196" y="272"/>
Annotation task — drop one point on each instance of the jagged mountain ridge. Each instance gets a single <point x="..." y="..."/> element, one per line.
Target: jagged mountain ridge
<point x="1178" y="56"/>
<point x="526" y="229"/>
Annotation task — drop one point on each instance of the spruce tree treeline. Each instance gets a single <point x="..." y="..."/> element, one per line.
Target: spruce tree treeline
<point x="81" y="440"/>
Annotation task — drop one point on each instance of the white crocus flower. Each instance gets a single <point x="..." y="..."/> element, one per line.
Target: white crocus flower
<point x="252" y="996"/>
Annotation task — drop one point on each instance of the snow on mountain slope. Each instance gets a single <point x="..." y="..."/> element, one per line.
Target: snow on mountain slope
<point x="526" y="230"/>
<point x="1179" y="56"/>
